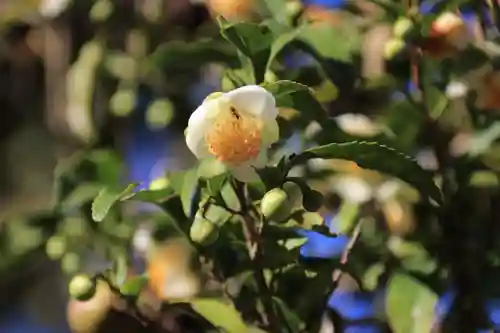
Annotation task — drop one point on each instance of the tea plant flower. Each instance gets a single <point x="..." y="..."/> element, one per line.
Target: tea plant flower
<point x="236" y="128"/>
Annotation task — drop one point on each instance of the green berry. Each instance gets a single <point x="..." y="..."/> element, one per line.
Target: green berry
<point x="82" y="287"/>
<point x="272" y="202"/>
<point x="55" y="247"/>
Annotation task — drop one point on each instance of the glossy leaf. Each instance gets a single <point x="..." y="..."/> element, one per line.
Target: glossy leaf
<point x="374" y="156"/>
<point x="220" y="313"/>
<point x="106" y="198"/>
<point x="252" y="40"/>
<point x="409" y="305"/>
<point x="289" y="94"/>
<point x="134" y="285"/>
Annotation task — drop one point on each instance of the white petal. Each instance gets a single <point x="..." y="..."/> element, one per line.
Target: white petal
<point x="199" y="122"/>
<point x="261" y="159"/>
<point x="244" y="173"/>
<point x="254" y="100"/>
<point x="270" y="133"/>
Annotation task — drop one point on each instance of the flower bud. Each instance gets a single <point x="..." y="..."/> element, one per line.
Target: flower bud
<point x="393" y="48"/>
<point x="402" y="27"/>
<point x="272" y="202"/>
<point x="55" y="247"/>
<point x="203" y="231"/>
<point x="82" y="287"/>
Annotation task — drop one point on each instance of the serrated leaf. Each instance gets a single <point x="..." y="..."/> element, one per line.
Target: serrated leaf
<point x="293" y="95"/>
<point x="134" y="285"/>
<point x="252" y="40"/>
<point x="220" y="313"/>
<point x="409" y="305"/>
<point x="381" y="158"/>
<point x="106" y="198"/>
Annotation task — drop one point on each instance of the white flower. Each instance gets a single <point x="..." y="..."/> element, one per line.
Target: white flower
<point x="456" y="89"/>
<point x="358" y="124"/>
<point x="353" y="189"/>
<point x="236" y="128"/>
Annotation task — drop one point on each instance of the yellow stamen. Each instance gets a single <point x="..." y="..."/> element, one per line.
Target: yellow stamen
<point x="235" y="137"/>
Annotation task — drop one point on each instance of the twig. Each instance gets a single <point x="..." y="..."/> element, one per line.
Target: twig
<point x="347" y="251"/>
<point x="253" y="236"/>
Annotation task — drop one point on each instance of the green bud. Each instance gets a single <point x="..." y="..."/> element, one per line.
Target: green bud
<point x="393" y="48"/>
<point x="312" y="201"/>
<point x="82" y="287"/>
<point x="203" y="231"/>
<point x="273" y="201"/>
<point x="55" y="247"/>
<point x="402" y="27"/>
<point x="70" y="263"/>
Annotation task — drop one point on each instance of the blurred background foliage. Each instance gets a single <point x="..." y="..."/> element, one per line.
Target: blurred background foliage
<point x="100" y="91"/>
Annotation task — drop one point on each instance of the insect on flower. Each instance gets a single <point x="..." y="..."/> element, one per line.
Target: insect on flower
<point x="236" y="128"/>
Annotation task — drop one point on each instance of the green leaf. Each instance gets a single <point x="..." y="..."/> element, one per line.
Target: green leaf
<point x="189" y="186"/>
<point x="280" y="43"/>
<point x="374" y="156"/>
<point x="409" y="305"/>
<point x="220" y="313"/>
<point x="150" y="195"/>
<point x="289" y="94"/>
<point x="337" y="44"/>
<point x="134" y="285"/>
<point x="470" y="59"/>
<point x="294" y="323"/>
<point x="120" y="271"/>
<point x="252" y="40"/>
<point x="106" y="198"/>
<point x="436" y="101"/>
<point x="179" y="53"/>
<point x="215" y="184"/>
<point x="84" y="193"/>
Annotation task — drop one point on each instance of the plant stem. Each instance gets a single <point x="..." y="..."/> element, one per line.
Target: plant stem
<point x="253" y="235"/>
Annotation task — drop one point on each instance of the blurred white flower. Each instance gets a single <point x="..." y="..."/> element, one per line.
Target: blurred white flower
<point x="456" y="89"/>
<point x="53" y="8"/>
<point x="388" y="190"/>
<point x="312" y="129"/>
<point x="236" y="128"/>
<point x="353" y="189"/>
<point x="427" y="159"/>
<point x="142" y="240"/>
<point x="358" y="125"/>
